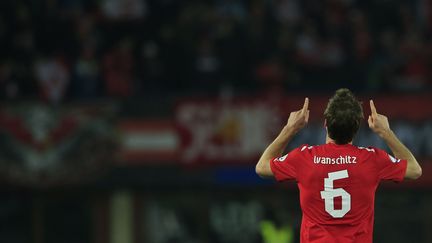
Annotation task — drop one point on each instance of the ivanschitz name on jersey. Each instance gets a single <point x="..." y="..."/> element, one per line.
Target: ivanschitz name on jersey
<point x="341" y="160"/>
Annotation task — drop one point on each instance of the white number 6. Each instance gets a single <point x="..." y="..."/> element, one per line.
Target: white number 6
<point x="330" y="193"/>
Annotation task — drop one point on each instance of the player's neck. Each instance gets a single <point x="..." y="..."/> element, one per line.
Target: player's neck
<point x="329" y="140"/>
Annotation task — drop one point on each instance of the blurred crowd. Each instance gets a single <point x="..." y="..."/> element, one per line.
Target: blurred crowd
<point x="59" y="50"/>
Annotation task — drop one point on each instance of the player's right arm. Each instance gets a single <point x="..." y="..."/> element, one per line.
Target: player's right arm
<point x="380" y="125"/>
<point x="296" y="121"/>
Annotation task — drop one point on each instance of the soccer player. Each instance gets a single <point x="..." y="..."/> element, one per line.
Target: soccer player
<point x="337" y="180"/>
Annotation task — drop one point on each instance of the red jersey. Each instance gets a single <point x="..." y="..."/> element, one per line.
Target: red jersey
<point x="337" y="186"/>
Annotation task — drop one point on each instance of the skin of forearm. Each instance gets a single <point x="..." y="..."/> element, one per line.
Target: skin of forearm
<point x="296" y="121"/>
<point x="400" y="151"/>
<point x="396" y="146"/>
<point x="277" y="147"/>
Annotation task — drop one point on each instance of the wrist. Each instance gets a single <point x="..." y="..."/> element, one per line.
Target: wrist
<point x="288" y="131"/>
<point x="385" y="133"/>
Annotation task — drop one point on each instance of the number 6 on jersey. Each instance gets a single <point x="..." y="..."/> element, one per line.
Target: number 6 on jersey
<point x="330" y="193"/>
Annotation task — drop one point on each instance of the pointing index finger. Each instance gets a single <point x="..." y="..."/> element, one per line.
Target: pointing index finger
<point x="306" y="105"/>
<point x="372" y="106"/>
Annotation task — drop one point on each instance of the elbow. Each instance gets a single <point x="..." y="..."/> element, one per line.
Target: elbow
<point x="259" y="170"/>
<point x="262" y="171"/>
<point x="415" y="173"/>
<point x="418" y="172"/>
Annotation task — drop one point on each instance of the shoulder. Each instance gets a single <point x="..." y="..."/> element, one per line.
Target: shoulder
<point x="367" y="149"/>
<point x="306" y="150"/>
<point x="371" y="152"/>
<point x="301" y="151"/>
<point x="305" y="147"/>
<point x="313" y="149"/>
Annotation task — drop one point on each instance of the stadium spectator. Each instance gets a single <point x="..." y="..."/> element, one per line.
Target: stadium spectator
<point x="9" y="86"/>
<point x="124" y="9"/>
<point x="207" y="64"/>
<point x="271" y="73"/>
<point x="53" y="78"/>
<point x="287" y="12"/>
<point x="308" y="46"/>
<point x="323" y="44"/>
<point x="152" y="68"/>
<point x="86" y="74"/>
<point x="117" y="70"/>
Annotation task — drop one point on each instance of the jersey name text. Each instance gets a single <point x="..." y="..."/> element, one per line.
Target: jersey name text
<point x="341" y="160"/>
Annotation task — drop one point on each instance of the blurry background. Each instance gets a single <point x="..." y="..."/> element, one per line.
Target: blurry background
<point x="129" y="121"/>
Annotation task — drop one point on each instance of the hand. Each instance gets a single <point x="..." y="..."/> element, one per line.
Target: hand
<point x="298" y="119"/>
<point x="377" y="122"/>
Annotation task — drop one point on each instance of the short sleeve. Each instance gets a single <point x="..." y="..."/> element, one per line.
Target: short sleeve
<point x="389" y="167"/>
<point x="286" y="167"/>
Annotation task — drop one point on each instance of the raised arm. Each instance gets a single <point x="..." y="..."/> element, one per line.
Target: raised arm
<point x="296" y="121"/>
<point x="380" y="125"/>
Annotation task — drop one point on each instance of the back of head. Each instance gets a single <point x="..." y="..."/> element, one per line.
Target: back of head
<point x="343" y="116"/>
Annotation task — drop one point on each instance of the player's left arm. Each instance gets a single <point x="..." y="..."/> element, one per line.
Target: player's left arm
<point x="380" y="125"/>
<point x="296" y="121"/>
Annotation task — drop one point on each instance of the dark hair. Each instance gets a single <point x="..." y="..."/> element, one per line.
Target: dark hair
<point x="343" y="116"/>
